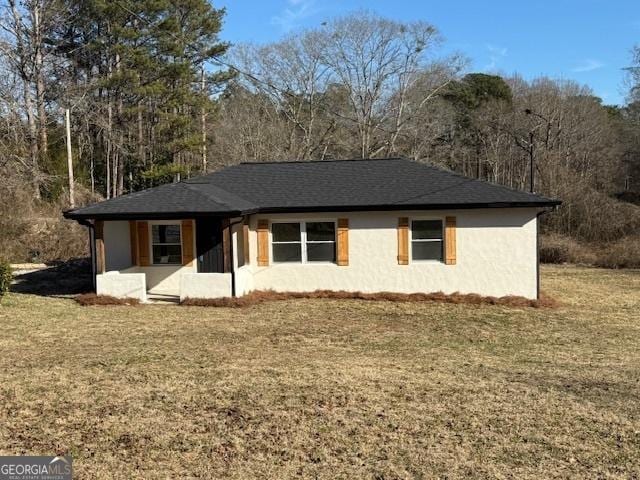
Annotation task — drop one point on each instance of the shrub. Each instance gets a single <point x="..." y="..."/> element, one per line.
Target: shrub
<point x="624" y="253"/>
<point x="590" y="215"/>
<point x="6" y="275"/>
<point x="36" y="231"/>
<point x="562" y="249"/>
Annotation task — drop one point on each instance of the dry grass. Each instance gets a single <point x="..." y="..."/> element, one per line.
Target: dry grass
<point x="330" y="388"/>
<point x="262" y="296"/>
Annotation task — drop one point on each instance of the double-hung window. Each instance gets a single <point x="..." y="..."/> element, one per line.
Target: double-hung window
<point x="303" y="242"/>
<point x="426" y="240"/>
<point x="166" y="244"/>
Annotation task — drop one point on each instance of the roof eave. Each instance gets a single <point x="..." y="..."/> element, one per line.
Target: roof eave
<point x="440" y="206"/>
<point x="72" y="215"/>
<point x="152" y="215"/>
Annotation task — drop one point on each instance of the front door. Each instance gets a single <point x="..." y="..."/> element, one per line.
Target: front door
<point x="209" y="247"/>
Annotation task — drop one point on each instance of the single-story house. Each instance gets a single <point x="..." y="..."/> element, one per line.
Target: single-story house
<point x="391" y="225"/>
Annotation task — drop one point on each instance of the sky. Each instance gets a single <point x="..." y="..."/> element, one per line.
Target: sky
<point x="588" y="41"/>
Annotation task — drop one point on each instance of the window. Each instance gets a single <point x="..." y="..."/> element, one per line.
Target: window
<point x="287" y="242"/>
<point x="321" y="241"/>
<point x="166" y="244"/>
<point x="426" y="240"/>
<point x="303" y="242"/>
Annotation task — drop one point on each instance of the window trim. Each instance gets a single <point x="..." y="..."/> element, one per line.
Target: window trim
<point x="151" y="244"/>
<point x="303" y="241"/>
<point x="425" y="240"/>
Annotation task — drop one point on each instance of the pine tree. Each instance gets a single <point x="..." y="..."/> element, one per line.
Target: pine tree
<point x="140" y="63"/>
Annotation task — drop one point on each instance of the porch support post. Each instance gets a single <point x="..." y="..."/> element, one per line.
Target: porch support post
<point x="226" y="245"/>
<point x="99" y="249"/>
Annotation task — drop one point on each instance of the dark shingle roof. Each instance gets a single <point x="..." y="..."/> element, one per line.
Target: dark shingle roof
<point x="385" y="184"/>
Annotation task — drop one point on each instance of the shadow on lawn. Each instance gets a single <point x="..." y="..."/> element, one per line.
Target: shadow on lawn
<point x="60" y="279"/>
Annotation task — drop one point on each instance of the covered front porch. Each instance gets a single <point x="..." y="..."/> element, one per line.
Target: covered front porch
<point x="167" y="259"/>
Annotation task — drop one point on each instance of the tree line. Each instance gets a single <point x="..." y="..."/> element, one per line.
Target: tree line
<point x="156" y="96"/>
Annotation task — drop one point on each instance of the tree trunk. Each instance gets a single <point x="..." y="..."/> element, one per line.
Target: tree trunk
<point x="26" y="77"/>
<point x="40" y="80"/>
<point x="119" y="164"/>
<point x="67" y="123"/>
<point x="141" y="147"/>
<point x="203" y="122"/>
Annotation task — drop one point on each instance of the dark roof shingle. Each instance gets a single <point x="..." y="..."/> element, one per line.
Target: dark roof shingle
<point x="385" y="184"/>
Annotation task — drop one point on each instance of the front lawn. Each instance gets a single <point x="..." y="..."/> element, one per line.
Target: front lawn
<point x="330" y="389"/>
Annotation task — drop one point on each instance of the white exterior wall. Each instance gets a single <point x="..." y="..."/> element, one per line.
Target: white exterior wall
<point x="122" y="285"/>
<point x="205" y="285"/>
<point x="117" y="246"/>
<point x="244" y="280"/>
<point x="161" y="279"/>
<point x="496" y="255"/>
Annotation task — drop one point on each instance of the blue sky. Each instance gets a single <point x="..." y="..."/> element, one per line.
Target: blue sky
<point x="583" y="40"/>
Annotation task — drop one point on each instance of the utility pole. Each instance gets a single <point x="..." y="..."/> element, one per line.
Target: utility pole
<point x="67" y="121"/>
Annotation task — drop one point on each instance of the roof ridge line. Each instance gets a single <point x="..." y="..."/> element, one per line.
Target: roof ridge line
<point x="191" y="187"/>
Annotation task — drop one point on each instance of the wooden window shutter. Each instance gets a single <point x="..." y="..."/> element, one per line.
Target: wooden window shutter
<point x="343" y="242"/>
<point x="133" y="236"/>
<point x="450" y="241"/>
<point x="99" y="239"/>
<point x="187" y="243"/>
<point x="403" y="241"/>
<point x="143" y="244"/>
<point x="263" y="243"/>
<point x="245" y="242"/>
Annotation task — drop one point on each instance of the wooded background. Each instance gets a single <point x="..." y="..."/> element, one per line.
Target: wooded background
<point x="155" y="95"/>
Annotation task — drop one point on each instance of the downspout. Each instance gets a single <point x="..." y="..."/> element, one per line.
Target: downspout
<point x="232" y="263"/>
<point x="91" y="229"/>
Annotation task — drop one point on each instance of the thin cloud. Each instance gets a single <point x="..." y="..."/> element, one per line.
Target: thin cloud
<point x="496" y="54"/>
<point x="294" y="13"/>
<point x="588" y="65"/>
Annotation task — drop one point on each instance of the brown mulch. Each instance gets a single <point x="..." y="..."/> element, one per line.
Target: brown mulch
<point x="90" y="299"/>
<point x="261" y="296"/>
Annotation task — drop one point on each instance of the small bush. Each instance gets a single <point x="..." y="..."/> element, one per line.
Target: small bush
<point x="6" y="275"/>
<point x="624" y="253"/>
<point x="88" y="299"/>
<point x="562" y="249"/>
<point x="261" y="296"/>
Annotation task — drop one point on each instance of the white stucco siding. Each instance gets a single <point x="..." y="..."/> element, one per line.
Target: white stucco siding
<point x="496" y="255"/>
<point x="163" y="279"/>
<point x="205" y="285"/>
<point x="117" y="245"/>
<point x="122" y="285"/>
<point x="244" y="280"/>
